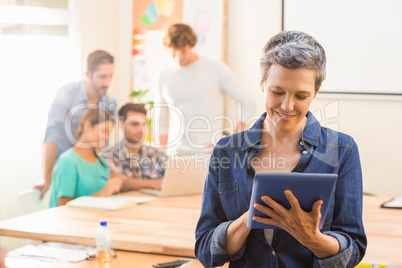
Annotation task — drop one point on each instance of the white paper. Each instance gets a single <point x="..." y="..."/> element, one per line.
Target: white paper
<point x="54" y="252"/>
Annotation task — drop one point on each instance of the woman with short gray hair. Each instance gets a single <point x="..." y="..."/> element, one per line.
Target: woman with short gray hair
<point x="292" y="50"/>
<point x="286" y="138"/>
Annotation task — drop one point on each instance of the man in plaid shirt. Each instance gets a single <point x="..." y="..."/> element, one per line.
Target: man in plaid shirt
<point x="141" y="165"/>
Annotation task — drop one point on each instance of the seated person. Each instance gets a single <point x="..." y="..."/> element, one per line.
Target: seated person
<point x="79" y="171"/>
<point x="292" y="70"/>
<point x="142" y="165"/>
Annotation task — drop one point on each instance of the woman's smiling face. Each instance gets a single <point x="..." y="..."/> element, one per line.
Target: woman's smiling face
<point x="288" y="95"/>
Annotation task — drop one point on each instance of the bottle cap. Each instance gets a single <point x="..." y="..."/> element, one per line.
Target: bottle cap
<point x="103" y="223"/>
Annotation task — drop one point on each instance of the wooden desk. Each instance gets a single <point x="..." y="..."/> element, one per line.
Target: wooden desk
<point x="164" y="226"/>
<point x="167" y="225"/>
<point x="384" y="232"/>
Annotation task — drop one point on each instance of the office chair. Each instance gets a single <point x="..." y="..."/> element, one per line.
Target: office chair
<point x="30" y="202"/>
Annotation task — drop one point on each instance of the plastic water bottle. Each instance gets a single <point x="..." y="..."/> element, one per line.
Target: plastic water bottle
<point x="103" y="242"/>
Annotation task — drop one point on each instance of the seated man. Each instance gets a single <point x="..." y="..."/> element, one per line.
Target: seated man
<point x="141" y="165"/>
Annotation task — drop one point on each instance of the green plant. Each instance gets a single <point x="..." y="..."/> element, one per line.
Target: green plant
<point x="139" y="95"/>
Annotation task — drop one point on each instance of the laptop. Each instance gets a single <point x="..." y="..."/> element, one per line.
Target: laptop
<point x="184" y="175"/>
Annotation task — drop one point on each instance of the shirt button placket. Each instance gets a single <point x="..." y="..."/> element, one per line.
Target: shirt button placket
<point x="302" y="144"/>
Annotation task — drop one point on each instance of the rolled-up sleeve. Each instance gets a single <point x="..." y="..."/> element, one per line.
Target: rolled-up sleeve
<point x="218" y="244"/>
<point x="210" y="247"/>
<point x="347" y="226"/>
<point x="343" y="257"/>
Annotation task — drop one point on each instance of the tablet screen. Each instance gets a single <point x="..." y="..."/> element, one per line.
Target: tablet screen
<point x="306" y="187"/>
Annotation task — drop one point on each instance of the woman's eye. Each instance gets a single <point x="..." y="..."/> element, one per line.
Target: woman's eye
<point x="276" y="93"/>
<point x="301" y="97"/>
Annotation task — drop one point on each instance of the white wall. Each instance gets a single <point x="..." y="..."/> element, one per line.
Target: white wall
<point x="376" y="127"/>
<point x="249" y="26"/>
<point x="107" y="25"/>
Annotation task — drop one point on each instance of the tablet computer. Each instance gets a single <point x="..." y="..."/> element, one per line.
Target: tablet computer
<point x="306" y="187"/>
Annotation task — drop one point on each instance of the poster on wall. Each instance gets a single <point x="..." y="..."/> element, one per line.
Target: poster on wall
<point x="207" y="18"/>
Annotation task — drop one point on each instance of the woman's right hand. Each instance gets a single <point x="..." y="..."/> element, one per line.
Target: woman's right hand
<point x="113" y="185"/>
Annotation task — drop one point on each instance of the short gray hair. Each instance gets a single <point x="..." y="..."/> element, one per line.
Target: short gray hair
<point x="292" y="50"/>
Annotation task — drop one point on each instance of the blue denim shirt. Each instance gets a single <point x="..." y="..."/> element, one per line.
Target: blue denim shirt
<point x="66" y="110"/>
<point x="227" y="196"/>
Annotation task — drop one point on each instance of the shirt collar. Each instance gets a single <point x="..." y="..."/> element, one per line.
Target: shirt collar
<point x="252" y="136"/>
<point x="310" y="133"/>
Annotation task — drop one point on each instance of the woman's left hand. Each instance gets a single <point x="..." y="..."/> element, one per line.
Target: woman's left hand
<point x="300" y="224"/>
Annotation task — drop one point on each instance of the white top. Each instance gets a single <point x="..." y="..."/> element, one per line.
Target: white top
<point x="190" y="100"/>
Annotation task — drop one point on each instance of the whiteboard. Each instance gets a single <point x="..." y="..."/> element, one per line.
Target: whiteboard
<point x="362" y="40"/>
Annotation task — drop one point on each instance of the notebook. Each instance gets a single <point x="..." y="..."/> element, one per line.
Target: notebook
<point x="306" y="187"/>
<point x="108" y="203"/>
<point x="184" y="175"/>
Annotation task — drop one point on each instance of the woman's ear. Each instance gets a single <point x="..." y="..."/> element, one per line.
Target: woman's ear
<point x="262" y="85"/>
<point x="87" y="125"/>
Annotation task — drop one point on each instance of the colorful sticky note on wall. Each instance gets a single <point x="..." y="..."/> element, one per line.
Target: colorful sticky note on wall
<point x="150" y="14"/>
<point x="155" y="9"/>
<point x="159" y="5"/>
<point x="167" y="8"/>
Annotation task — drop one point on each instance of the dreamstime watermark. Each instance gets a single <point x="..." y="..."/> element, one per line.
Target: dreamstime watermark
<point x="328" y="116"/>
<point x="172" y="161"/>
<point x="212" y="132"/>
<point x="203" y="161"/>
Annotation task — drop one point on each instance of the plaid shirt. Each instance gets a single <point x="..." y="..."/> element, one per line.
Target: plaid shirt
<point x="148" y="164"/>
